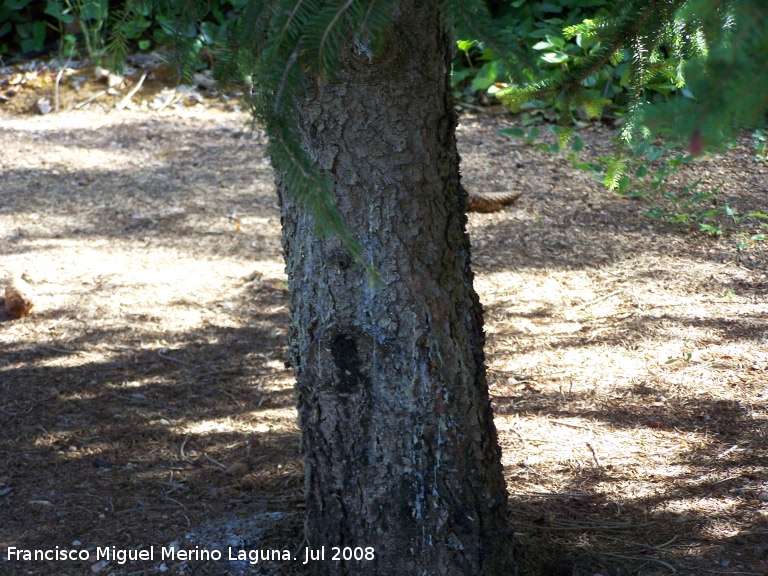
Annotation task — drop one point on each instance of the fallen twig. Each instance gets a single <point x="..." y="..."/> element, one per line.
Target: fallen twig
<point x="594" y="455"/>
<point x="181" y="450"/>
<point x="59" y="74"/>
<point x="91" y="99"/>
<point x="144" y="509"/>
<point x="596" y="300"/>
<point x="642" y="559"/>
<point x="127" y="100"/>
<point x="56" y="90"/>
<point x="105" y="499"/>
<point x="728" y="573"/>
<point x="219" y="464"/>
<point x="177" y="502"/>
<point x="569" y="425"/>
<point x="640" y="544"/>
<point x="731" y="449"/>
<point x="174" y="97"/>
<point x="583" y="528"/>
<point x="62" y="350"/>
<point x="162" y="355"/>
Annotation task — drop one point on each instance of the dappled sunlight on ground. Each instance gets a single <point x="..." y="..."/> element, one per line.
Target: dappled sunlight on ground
<point x="148" y="396"/>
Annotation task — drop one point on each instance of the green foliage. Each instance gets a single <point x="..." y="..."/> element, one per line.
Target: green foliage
<point x="18" y="29"/>
<point x="644" y="167"/>
<point x="684" y="358"/>
<point x="638" y="168"/>
<point x="559" y="59"/>
<point x="529" y="44"/>
<point x="273" y="46"/>
<point x="87" y="27"/>
<point x="90" y="17"/>
<point x="27" y="26"/>
<point x="636" y="47"/>
<point x="691" y="209"/>
<point x="730" y="80"/>
<point x="693" y="72"/>
<point x="640" y="171"/>
<point x="698" y="211"/>
<point x="760" y="142"/>
<point x="528" y="138"/>
<point x="706" y="51"/>
<point x="743" y="241"/>
<point x="490" y="51"/>
<point x="194" y="34"/>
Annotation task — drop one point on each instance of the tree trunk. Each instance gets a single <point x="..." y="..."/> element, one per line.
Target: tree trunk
<point x="398" y="439"/>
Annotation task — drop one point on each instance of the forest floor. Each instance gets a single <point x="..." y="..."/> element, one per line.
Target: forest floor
<point x="145" y="404"/>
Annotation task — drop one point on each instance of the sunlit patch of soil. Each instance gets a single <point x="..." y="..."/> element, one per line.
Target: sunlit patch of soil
<point x="147" y="400"/>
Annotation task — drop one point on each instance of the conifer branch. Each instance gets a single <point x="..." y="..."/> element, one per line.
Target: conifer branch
<point x="328" y="30"/>
<point x="716" y="47"/>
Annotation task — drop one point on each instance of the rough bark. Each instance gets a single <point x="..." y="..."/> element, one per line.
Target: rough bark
<point x="398" y="439"/>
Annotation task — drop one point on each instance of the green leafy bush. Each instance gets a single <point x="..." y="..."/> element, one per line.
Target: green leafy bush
<point x="21" y="26"/>
<point x="534" y="44"/>
<point x="85" y="28"/>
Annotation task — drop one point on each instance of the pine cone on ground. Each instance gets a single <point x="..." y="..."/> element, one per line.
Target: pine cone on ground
<point x="18" y="298"/>
<point x="491" y="201"/>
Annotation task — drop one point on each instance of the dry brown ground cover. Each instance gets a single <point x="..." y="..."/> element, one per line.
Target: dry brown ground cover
<point x="145" y="402"/>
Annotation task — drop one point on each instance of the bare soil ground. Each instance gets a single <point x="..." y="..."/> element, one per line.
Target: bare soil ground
<point x="145" y="403"/>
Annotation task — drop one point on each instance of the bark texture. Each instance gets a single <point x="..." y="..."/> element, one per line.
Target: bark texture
<point x="398" y="438"/>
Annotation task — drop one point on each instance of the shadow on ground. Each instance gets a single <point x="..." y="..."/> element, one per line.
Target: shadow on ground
<point x="166" y="413"/>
